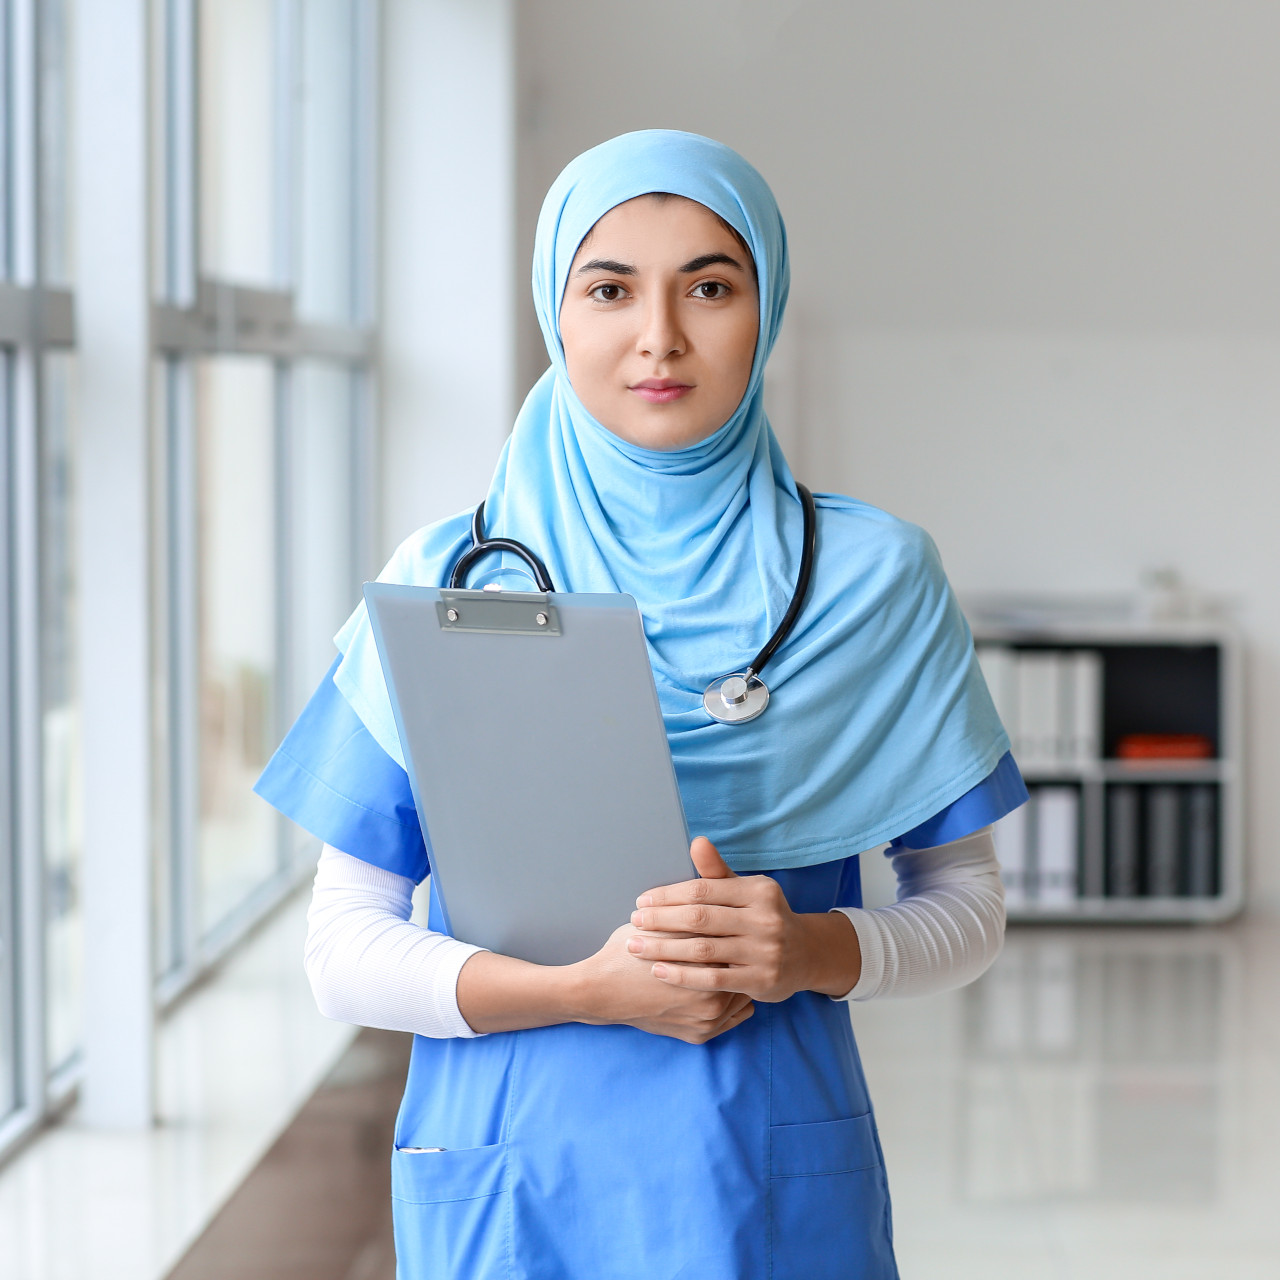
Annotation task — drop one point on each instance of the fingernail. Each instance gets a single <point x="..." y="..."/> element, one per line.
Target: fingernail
<point x="635" y="945"/>
<point x="659" y="970"/>
<point x="635" y="918"/>
<point x="644" y="900"/>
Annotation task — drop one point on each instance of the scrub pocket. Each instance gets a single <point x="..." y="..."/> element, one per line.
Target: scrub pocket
<point x="451" y="1213"/>
<point x="829" y="1203"/>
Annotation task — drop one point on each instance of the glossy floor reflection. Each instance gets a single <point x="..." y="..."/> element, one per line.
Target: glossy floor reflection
<point x="1103" y="1103"/>
<point x="318" y="1204"/>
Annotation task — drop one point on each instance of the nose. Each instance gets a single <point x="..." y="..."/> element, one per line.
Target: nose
<point x="660" y="333"/>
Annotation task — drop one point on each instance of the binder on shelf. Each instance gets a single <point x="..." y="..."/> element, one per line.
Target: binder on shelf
<point x="1083" y="696"/>
<point x="1057" y="817"/>
<point x="1039" y="724"/>
<point x="998" y="664"/>
<point x="1010" y="835"/>
<point x="1164" y="841"/>
<point x="1123" y="848"/>
<point x="1202" y="841"/>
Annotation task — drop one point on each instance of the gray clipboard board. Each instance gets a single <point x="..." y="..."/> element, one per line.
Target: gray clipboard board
<point x="535" y="747"/>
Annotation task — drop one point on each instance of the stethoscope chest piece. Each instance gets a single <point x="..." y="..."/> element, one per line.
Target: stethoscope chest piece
<point x="737" y="698"/>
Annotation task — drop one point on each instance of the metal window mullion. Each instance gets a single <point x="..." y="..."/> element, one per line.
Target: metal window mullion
<point x="23" y="52"/>
<point x="181" y="179"/>
<point x="12" y="973"/>
<point x="285" y="594"/>
<point x="183" y="602"/>
<point x="285" y="58"/>
<point x="366" y="534"/>
<point x="29" y="950"/>
<point x="6" y="138"/>
<point x="365" y="164"/>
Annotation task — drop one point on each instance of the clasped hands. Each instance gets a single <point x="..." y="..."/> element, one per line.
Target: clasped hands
<point x="737" y="935"/>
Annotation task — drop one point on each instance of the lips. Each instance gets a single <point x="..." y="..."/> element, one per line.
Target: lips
<point x="660" y="390"/>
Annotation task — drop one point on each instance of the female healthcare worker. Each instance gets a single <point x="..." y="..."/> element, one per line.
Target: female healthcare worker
<point x="688" y="1101"/>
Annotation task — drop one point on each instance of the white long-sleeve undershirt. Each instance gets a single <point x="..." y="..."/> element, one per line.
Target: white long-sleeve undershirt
<point x="369" y="965"/>
<point x="946" y="927"/>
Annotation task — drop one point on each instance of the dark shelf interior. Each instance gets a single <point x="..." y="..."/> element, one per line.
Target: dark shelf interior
<point x="1160" y="689"/>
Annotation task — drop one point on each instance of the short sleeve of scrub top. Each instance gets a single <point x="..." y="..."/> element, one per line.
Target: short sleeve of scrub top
<point x="334" y="780"/>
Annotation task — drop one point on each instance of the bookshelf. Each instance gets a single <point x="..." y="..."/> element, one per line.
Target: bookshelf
<point x="1155" y="838"/>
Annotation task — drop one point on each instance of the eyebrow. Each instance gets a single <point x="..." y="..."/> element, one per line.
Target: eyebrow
<point x="709" y="260"/>
<point x="616" y="268"/>
<point x="606" y="264"/>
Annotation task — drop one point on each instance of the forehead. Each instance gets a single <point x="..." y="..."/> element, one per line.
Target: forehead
<point x="655" y="228"/>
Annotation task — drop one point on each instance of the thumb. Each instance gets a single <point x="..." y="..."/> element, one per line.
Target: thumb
<point x="708" y="862"/>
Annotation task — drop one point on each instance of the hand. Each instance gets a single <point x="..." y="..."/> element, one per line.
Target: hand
<point x="726" y="932"/>
<point x="618" y="988"/>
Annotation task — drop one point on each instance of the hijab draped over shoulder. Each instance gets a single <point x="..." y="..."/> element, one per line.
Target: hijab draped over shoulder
<point x="878" y="717"/>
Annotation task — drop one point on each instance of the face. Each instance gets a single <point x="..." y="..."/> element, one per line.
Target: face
<point x="659" y="322"/>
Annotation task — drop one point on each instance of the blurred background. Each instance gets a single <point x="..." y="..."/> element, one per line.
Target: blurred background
<point x="264" y="311"/>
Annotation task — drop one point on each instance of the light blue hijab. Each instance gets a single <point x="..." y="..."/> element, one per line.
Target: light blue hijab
<point x="879" y="718"/>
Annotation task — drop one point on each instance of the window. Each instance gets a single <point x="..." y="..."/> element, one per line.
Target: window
<point x="40" y="928"/>
<point x="263" y="366"/>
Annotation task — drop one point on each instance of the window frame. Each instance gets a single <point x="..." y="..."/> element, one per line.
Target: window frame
<point x="35" y="318"/>
<point x="198" y="316"/>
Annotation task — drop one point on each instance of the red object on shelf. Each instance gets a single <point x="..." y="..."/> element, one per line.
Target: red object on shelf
<point x="1164" y="746"/>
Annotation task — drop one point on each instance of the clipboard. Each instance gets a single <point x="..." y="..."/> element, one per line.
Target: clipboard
<point x="539" y="763"/>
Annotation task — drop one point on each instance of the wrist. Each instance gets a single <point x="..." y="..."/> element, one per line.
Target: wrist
<point x="571" y="989"/>
<point x="834" y="954"/>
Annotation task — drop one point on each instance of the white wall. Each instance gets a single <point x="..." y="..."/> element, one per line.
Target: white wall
<point x="448" y="174"/>
<point x="1036" y="301"/>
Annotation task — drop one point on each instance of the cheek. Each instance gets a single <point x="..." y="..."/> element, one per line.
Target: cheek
<point x="589" y="354"/>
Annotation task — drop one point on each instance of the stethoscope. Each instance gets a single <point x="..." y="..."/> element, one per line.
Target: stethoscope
<point x="732" y="699"/>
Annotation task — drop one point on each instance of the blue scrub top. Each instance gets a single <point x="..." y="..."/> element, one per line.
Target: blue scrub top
<point x="334" y="780"/>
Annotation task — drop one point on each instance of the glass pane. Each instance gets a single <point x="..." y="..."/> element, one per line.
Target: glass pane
<point x="237" y="140"/>
<point x="322" y="578"/>
<point x="55" y="142"/>
<point x="237" y="832"/>
<point x="326" y="163"/>
<point x="60" y="712"/>
<point x="8" y="880"/>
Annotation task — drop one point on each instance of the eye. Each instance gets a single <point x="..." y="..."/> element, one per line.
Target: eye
<point x="711" y="289"/>
<point x="606" y="292"/>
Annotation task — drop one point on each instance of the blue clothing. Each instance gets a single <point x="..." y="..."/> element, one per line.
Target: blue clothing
<point x="331" y="777"/>
<point x="580" y="1152"/>
<point x="876" y="693"/>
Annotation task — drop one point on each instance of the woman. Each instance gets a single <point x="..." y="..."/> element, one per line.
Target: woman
<point x="689" y="1100"/>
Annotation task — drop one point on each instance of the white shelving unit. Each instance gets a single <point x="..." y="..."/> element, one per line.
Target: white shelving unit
<point x="1157" y="677"/>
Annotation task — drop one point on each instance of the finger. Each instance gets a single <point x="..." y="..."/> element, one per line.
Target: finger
<point x="731" y="1020"/>
<point x="701" y="920"/>
<point x="709" y="865"/>
<point x="737" y="892"/>
<point x="689" y="950"/>
<point x="706" y="858"/>
<point x="696" y="977"/>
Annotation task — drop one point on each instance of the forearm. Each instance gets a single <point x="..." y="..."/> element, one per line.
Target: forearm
<point x="499" y="993"/>
<point x="945" y="929"/>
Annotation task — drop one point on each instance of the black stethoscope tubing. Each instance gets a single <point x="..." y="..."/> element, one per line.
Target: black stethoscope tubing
<point x="754" y="695"/>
